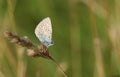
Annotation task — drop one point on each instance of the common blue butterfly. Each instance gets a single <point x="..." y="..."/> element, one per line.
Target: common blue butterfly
<point x="43" y="31"/>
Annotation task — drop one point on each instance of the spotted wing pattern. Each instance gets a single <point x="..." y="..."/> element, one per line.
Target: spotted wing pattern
<point x="44" y="32"/>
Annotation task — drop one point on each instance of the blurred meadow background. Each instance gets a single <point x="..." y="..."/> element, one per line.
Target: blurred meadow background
<point x="86" y="36"/>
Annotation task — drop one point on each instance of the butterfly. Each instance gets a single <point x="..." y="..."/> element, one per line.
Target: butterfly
<point x="43" y="31"/>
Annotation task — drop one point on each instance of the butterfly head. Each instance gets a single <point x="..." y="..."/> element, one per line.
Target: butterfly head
<point x="47" y="44"/>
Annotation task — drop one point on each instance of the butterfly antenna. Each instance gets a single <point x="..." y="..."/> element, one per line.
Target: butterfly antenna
<point x="59" y="67"/>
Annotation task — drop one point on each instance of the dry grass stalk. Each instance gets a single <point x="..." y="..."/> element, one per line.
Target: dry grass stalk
<point x="32" y="50"/>
<point x="96" y="43"/>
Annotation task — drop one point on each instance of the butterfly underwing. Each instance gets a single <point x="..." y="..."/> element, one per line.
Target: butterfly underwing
<point x="43" y="31"/>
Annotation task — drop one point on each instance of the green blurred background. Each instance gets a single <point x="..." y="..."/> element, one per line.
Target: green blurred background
<point x="86" y="34"/>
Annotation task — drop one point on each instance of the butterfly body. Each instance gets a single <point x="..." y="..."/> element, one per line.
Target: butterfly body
<point x="44" y="32"/>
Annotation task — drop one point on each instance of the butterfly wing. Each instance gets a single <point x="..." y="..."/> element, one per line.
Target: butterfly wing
<point x="44" y="32"/>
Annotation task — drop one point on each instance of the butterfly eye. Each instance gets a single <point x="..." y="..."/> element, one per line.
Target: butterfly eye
<point x="52" y="42"/>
